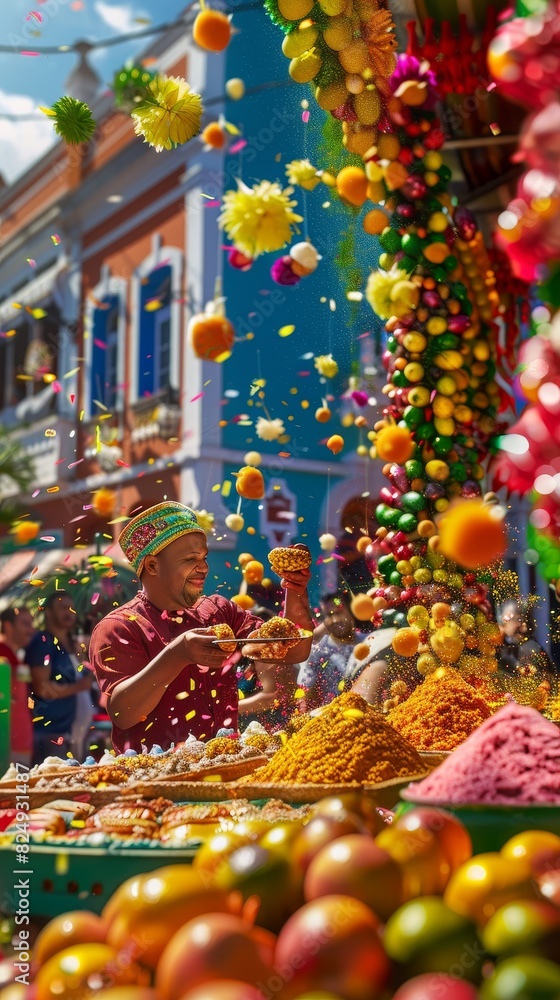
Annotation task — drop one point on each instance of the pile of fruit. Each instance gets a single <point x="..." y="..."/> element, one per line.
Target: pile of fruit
<point x="440" y="640"/>
<point x="351" y="908"/>
<point x="435" y="288"/>
<point x="347" y="50"/>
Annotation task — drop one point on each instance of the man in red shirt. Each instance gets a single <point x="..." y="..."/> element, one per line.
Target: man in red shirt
<point x="16" y="627"/>
<point x="154" y="657"/>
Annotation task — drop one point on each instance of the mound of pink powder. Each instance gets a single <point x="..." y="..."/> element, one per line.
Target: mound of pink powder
<point x="514" y="757"/>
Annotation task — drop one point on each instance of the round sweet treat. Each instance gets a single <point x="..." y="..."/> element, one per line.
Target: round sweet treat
<point x="224" y="631"/>
<point x="289" y="560"/>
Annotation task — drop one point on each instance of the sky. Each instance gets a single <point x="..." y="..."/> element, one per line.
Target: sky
<point x="27" y="81"/>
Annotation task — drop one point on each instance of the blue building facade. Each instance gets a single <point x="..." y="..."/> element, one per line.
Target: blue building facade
<point x="271" y="372"/>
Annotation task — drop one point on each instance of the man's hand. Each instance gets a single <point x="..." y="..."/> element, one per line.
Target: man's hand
<point x="253" y="650"/>
<point x="298" y="581"/>
<point x="197" y="644"/>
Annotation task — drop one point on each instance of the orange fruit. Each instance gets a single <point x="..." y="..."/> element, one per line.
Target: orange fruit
<point x="362" y="607"/>
<point x="243" y="601"/>
<point x="375" y="221"/>
<point x="352" y="185"/>
<point x="335" y="444"/>
<point x="472" y="533"/>
<point x="394" y="444"/>
<point x="323" y="414"/>
<point x="253" y="571"/>
<point x="405" y="642"/>
<point x="214" y="135"/>
<point x="26" y="531"/>
<point x="211" y="336"/>
<point x="212" y="30"/>
<point x="250" y="483"/>
<point x="104" y="502"/>
<point x="362" y="544"/>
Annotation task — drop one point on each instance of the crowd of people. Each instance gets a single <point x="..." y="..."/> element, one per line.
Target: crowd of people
<point x="52" y="706"/>
<point x="153" y="666"/>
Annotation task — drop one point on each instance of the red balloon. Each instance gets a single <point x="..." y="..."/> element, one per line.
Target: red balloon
<point x="214" y="945"/>
<point x="332" y="944"/>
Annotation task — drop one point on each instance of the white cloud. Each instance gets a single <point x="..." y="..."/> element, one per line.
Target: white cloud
<point x="22" y="142"/>
<point x="122" y="17"/>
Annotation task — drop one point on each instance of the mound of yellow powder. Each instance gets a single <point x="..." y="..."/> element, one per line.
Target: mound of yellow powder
<point x="348" y="742"/>
<point x="441" y="713"/>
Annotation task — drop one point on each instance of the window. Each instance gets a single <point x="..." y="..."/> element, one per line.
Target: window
<point x="29" y="355"/>
<point x="162" y="349"/>
<point x="105" y="353"/>
<point x="13" y="348"/>
<point x="154" y="362"/>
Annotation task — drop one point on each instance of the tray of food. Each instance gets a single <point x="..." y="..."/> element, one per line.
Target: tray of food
<point x="103" y="781"/>
<point x="131" y="836"/>
<point x="384" y="793"/>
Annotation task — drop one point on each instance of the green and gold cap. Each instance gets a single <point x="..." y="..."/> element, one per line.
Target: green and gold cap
<point x="155" y="528"/>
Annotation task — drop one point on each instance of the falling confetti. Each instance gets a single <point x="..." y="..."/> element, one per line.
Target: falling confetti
<point x="286" y="331"/>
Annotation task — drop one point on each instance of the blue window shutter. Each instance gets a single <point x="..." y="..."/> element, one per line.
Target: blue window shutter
<point x="156" y="285"/>
<point x="98" y="388"/>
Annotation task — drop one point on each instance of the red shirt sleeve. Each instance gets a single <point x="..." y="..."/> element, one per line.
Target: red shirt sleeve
<point x="117" y="651"/>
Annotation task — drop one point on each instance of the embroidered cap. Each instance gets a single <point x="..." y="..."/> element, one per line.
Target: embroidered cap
<point x="155" y="528"/>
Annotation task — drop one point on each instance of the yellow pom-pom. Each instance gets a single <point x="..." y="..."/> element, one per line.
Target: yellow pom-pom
<point x="170" y="115"/>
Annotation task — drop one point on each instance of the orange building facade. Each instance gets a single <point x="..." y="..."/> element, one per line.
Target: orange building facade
<point x="103" y="254"/>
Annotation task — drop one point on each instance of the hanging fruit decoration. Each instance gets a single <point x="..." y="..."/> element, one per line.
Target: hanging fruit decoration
<point x="211" y="334"/>
<point x="212" y="29"/>
<point x="436" y="291"/>
<point x="104" y="503"/>
<point x="302" y="260"/>
<point x="25" y="531"/>
<point x="249" y="483"/>
<point x="347" y="51"/>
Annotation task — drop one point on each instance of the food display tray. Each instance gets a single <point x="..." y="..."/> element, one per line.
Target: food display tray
<point x="385" y="793"/>
<point x="66" y="789"/>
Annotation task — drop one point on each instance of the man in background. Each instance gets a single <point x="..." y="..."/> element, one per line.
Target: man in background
<point x="519" y="649"/>
<point x="56" y="683"/>
<point x="323" y="675"/>
<point x="16" y="632"/>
